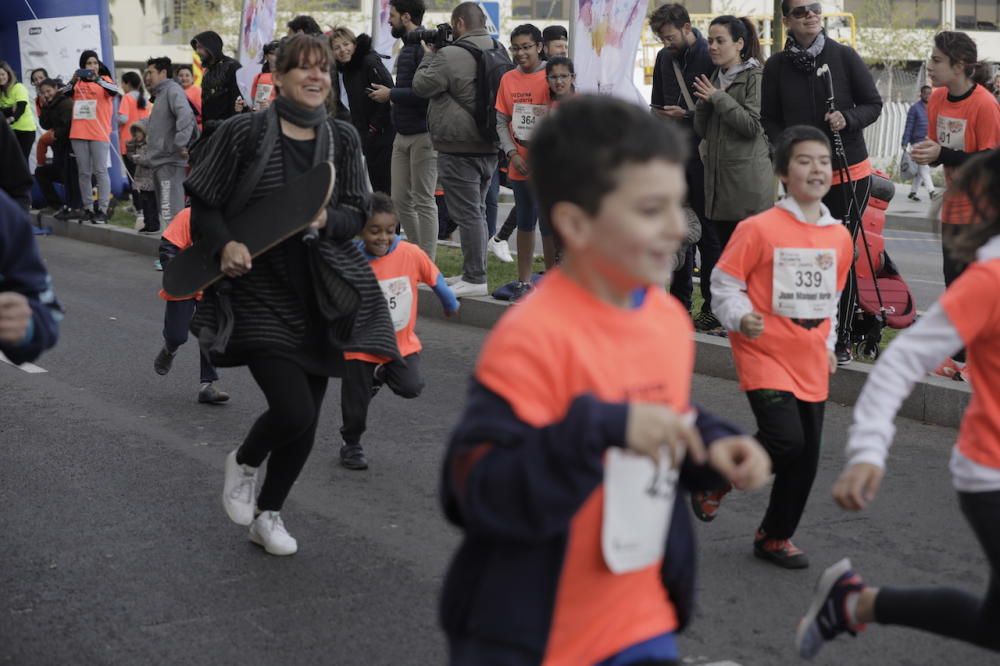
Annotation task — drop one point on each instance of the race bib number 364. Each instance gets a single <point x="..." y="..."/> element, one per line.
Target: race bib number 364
<point x="526" y="117"/>
<point x="805" y="283"/>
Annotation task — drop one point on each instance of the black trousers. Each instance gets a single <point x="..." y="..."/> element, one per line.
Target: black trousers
<point x="150" y="207"/>
<point x="790" y="430"/>
<point x="682" y="285"/>
<point x="357" y="390"/>
<point x="25" y="140"/>
<point x="509" y="225"/>
<point x="47" y="175"/>
<point x="284" y="434"/>
<point x="176" y="320"/>
<point x="838" y="199"/>
<point x="378" y="158"/>
<point x="721" y="231"/>
<point x="130" y="167"/>
<point x="946" y="611"/>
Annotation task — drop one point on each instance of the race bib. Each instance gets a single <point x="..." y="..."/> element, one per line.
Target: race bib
<point x="805" y="283"/>
<point x="951" y="132"/>
<point x="638" y="505"/>
<point x="263" y="93"/>
<point x="526" y="117"/>
<point x="85" y="109"/>
<point x="399" y="297"/>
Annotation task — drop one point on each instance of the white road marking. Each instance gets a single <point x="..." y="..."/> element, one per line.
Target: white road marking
<point x="30" y="368"/>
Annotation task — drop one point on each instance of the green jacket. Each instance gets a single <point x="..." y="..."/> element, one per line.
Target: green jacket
<point x="739" y="181"/>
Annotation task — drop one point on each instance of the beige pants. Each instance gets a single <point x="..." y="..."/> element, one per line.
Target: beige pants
<point x="414" y="177"/>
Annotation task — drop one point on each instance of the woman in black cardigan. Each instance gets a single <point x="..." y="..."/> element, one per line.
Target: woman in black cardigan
<point x="792" y="94"/>
<point x="358" y="68"/>
<point x="290" y="313"/>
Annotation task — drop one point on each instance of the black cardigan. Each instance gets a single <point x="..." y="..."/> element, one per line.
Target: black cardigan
<point x="793" y="97"/>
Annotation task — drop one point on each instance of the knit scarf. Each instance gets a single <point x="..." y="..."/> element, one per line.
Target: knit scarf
<point x="805" y="59"/>
<point x="727" y="77"/>
<point x="298" y="115"/>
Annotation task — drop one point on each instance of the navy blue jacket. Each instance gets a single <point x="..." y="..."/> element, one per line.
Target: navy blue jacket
<point x="916" y="124"/>
<point x="409" y="112"/>
<point x="501" y="586"/>
<point x="694" y="62"/>
<point x="22" y="271"/>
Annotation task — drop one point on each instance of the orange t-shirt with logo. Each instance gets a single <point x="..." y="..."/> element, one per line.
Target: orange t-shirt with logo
<point x="791" y="353"/>
<point x="973" y="309"/>
<point x="263" y="89"/>
<point x="398" y="274"/>
<point x="970" y="125"/>
<point x="525" y="99"/>
<point x="194" y="96"/>
<point x="178" y="232"/>
<point x="539" y="363"/>
<point x="92" y="109"/>
<point x="129" y="107"/>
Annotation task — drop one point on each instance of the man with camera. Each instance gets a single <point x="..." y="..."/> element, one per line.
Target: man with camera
<point x="466" y="158"/>
<point x="414" y="162"/>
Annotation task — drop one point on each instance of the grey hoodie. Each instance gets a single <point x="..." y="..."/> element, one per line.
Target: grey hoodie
<point x="171" y="124"/>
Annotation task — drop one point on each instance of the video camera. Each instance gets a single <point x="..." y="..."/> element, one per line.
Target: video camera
<point x="439" y="37"/>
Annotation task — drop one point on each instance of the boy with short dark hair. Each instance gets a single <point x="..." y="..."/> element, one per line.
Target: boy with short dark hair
<point x="398" y="266"/>
<point x="563" y="468"/>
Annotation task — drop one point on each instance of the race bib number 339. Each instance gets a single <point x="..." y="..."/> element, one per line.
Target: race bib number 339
<point x="805" y="283"/>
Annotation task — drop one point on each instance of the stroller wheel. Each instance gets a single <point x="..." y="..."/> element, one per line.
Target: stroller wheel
<point x="869" y="350"/>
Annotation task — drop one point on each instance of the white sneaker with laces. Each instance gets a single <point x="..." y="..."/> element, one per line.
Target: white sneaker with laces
<point x="268" y="531"/>
<point x="467" y="289"/>
<point x="239" y="494"/>
<point x="452" y="280"/>
<point x="500" y="249"/>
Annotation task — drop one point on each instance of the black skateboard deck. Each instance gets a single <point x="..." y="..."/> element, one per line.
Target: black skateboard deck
<point x="270" y="221"/>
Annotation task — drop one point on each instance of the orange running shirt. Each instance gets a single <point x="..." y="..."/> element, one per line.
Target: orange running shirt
<point x="263" y="89"/>
<point x="791" y="354"/>
<point x="92" y="108"/>
<point x="971" y="125"/>
<point x="973" y="309"/>
<point x="398" y="273"/>
<point x="559" y="343"/>
<point x="129" y="106"/>
<point x="194" y="96"/>
<point x="178" y="232"/>
<point x="525" y="99"/>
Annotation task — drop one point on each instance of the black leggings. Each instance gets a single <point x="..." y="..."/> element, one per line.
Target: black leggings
<point x="952" y="266"/>
<point x="835" y="201"/>
<point x="791" y="431"/>
<point x="509" y="225"/>
<point x="720" y="232"/>
<point x="25" y="140"/>
<point x="284" y="434"/>
<point x="947" y="611"/>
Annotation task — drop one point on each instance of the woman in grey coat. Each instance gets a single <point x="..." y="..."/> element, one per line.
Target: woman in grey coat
<point x="738" y="175"/>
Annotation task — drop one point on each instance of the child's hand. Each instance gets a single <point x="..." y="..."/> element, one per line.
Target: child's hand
<point x="650" y="427"/>
<point x="752" y="325"/>
<point x="741" y="461"/>
<point x="240" y="105"/>
<point x="15" y="317"/>
<point x="857" y="486"/>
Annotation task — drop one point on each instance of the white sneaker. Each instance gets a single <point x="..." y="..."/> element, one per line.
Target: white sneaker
<point x="500" y="249"/>
<point x="462" y="288"/>
<point x="240" y="491"/>
<point x="452" y="280"/>
<point x="269" y="531"/>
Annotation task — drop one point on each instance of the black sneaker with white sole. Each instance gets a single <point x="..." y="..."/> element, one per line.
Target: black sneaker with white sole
<point x="843" y="354"/>
<point x="827" y="616"/>
<point x="163" y="361"/>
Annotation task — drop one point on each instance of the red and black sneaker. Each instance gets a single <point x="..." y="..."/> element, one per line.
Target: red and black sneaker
<point x="782" y="552"/>
<point x="828" y="615"/>
<point x="705" y="504"/>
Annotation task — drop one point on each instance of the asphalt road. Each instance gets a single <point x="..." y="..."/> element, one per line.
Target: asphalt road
<point x="115" y="548"/>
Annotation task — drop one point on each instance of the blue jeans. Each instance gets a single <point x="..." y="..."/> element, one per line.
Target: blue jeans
<point x="527" y="208"/>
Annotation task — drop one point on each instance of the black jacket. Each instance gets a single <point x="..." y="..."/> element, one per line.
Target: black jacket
<point x="366" y="67"/>
<point x="790" y="96"/>
<point x="58" y="117"/>
<point x="694" y="62"/>
<point x="15" y="178"/>
<point x="219" y="89"/>
<point x="409" y="112"/>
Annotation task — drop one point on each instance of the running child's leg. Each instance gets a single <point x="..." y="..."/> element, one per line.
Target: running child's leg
<point x="404" y="380"/>
<point x="356" y="391"/>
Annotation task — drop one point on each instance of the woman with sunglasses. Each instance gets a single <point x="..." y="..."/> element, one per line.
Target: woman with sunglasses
<point x="792" y="94"/>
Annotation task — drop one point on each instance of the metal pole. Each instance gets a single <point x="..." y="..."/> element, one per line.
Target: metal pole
<point x="776" y="44"/>
<point x="573" y="11"/>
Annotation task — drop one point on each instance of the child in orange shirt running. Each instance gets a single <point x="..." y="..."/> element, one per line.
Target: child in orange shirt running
<point x="963" y="119"/>
<point x="967" y="315"/>
<point x="778" y="283"/>
<point x="562" y="471"/>
<point x="398" y="266"/>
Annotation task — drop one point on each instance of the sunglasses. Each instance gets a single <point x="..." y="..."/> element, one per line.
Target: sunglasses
<point x="804" y="10"/>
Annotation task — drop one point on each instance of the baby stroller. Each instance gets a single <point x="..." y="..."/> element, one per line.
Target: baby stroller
<point x="883" y="298"/>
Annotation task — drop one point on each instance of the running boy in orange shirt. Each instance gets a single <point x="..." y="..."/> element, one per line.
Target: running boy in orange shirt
<point x="563" y="470"/>
<point x="522" y="101"/>
<point x="778" y="283"/>
<point x="398" y="267"/>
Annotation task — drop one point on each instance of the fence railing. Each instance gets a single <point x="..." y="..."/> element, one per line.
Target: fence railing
<point x="883" y="137"/>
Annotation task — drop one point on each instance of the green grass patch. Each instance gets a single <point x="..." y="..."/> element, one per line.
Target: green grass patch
<point x="449" y="262"/>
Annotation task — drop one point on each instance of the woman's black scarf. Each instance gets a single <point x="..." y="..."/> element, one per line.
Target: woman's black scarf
<point x="802" y="59"/>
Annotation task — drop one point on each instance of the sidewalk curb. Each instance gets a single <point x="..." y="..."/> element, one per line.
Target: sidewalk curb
<point x="898" y="222"/>
<point x="934" y="400"/>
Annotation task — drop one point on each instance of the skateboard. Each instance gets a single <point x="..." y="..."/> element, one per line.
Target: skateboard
<point x="270" y="221"/>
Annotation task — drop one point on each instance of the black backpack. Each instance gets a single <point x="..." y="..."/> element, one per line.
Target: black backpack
<point x="491" y="65"/>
